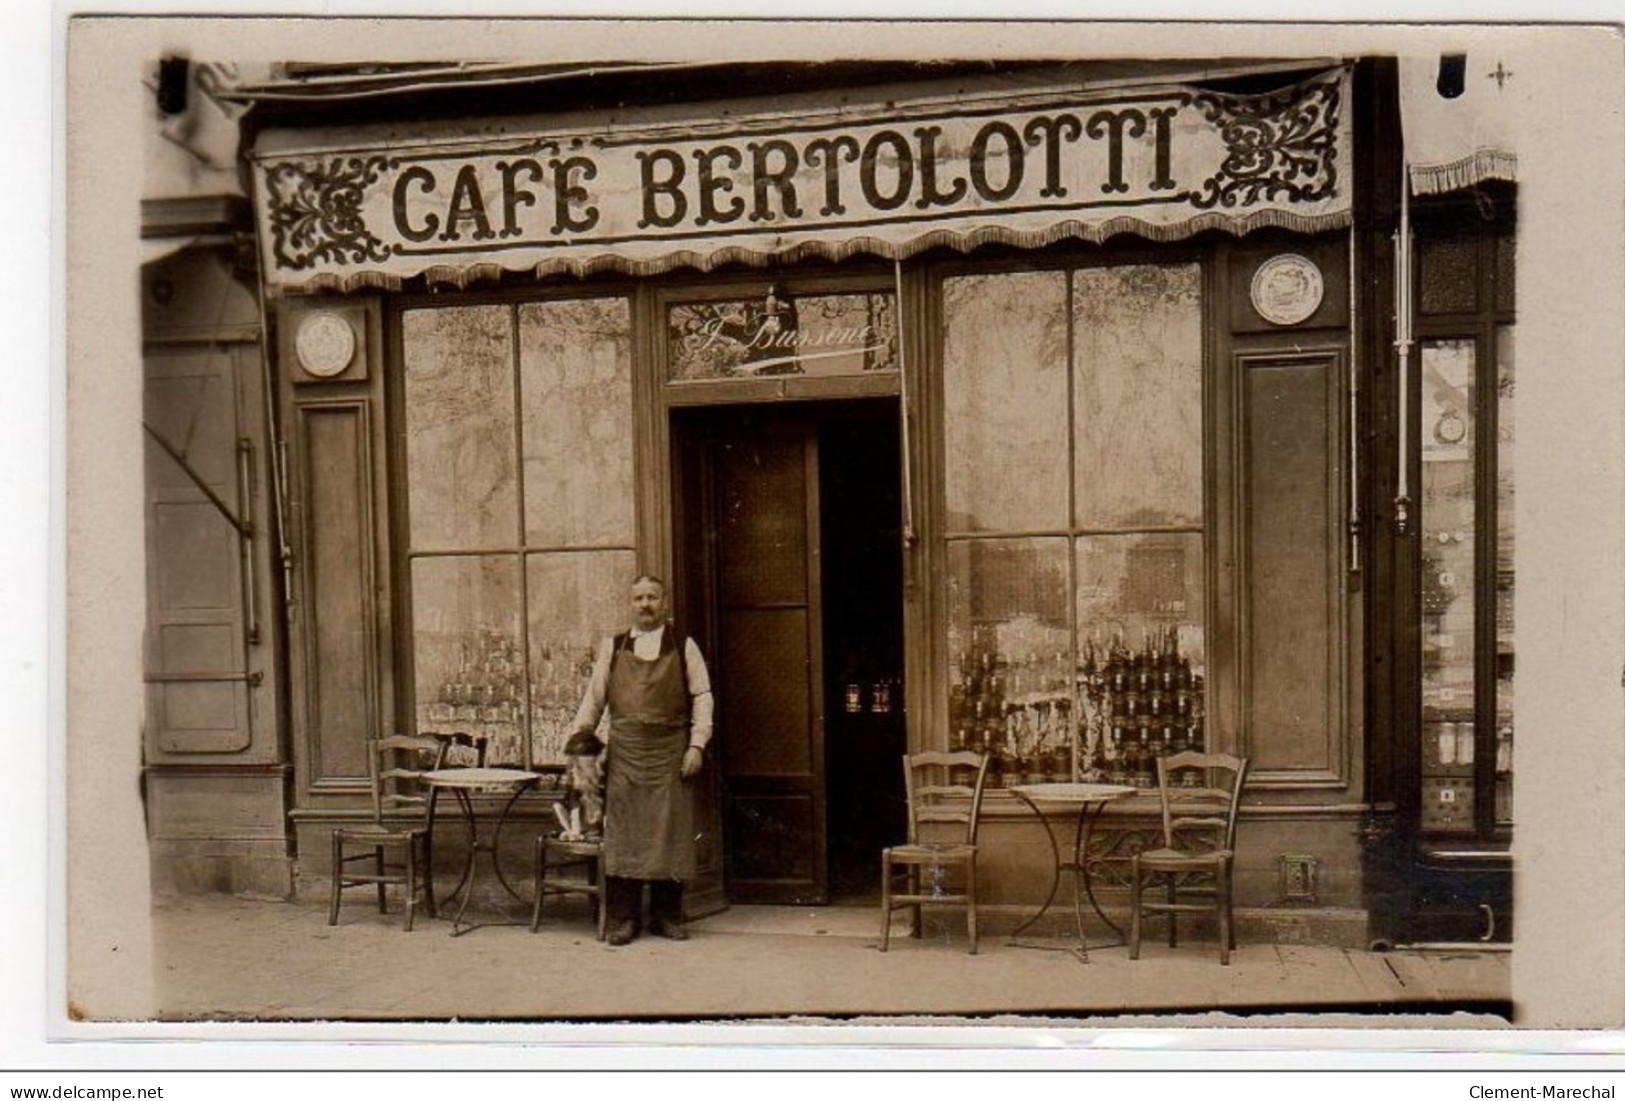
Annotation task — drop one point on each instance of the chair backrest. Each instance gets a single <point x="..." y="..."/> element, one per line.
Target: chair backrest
<point x="1208" y="806"/>
<point x="396" y="766"/>
<point x="937" y="793"/>
<point x="460" y="748"/>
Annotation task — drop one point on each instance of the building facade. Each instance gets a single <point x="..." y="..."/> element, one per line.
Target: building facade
<point x="1062" y="411"/>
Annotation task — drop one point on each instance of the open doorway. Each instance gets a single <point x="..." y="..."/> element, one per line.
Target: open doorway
<point x="863" y="643"/>
<point x="790" y="569"/>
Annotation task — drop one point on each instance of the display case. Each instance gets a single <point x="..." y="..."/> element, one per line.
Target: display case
<point x="1465" y="388"/>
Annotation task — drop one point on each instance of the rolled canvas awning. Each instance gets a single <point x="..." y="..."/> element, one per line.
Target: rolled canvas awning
<point x="890" y="179"/>
<point x="1455" y="141"/>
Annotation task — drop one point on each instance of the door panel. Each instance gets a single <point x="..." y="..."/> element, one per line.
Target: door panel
<point x="765" y="650"/>
<point x="770" y="706"/>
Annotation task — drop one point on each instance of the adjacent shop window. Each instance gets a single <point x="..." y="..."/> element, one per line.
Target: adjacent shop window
<point x="1462" y="656"/>
<point x="815" y="335"/>
<point x="1465" y="295"/>
<point x="1074" y="514"/>
<point x="520" y="513"/>
<point x="1449" y="542"/>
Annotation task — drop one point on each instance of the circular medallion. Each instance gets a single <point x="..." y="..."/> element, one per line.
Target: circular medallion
<point x="325" y="344"/>
<point x="1450" y="428"/>
<point x="1287" y="289"/>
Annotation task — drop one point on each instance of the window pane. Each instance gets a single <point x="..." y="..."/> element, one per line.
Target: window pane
<point x="1505" y="650"/>
<point x="1010" y="645"/>
<point x="1142" y="651"/>
<point x="467" y="669"/>
<point x="1449" y="524"/>
<point x="1004" y="372"/>
<point x="1449" y="274"/>
<point x="829" y="334"/>
<point x="1138" y="587"/>
<point x="575" y="600"/>
<point x="461" y="487"/>
<point x="576" y="381"/>
<point x="1138" y="399"/>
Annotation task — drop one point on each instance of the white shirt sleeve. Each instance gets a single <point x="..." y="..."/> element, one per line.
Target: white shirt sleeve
<point x="702" y="707"/>
<point x="597" y="694"/>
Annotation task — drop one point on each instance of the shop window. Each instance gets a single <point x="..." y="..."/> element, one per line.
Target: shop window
<point x="1137" y="411"/>
<point x="520" y="512"/>
<point x="461" y="489"/>
<point x="1504" y="535"/>
<point x="1449" y="541"/>
<point x="1467" y="437"/>
<point x="1073" y="482"/>
<point x="576" y="379"/>
<point x="1005" y="376"/>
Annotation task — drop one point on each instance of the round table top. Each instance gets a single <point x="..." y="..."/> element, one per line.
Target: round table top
<point x="480" y="777"/>
<point x="1073" y="793"/>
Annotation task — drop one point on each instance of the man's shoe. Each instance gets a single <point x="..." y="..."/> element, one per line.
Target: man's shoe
<point x="622" y="934"/>
<point x="671" y="930"/>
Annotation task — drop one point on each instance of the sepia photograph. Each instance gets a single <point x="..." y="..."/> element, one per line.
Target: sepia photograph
<point x="848" y="525"/>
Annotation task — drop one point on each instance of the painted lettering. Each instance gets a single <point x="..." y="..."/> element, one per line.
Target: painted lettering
<point x="902" y="161"/>
<point x="425" y="180"/>
<point x="929" y="195"/>
<point x="765" y="179"/>
<point x="567" y="194"/>
<point x="1110" y="125"/>
<point x="766" y="335"/>
<point x="1015" y="156"/>
<point x="1162" y="121"/>
<point x="514" y="196"/>
<point x="829" y="153"/>
<point x="1052" y="132"/>
<point x="711" y="185"/>
<point x="467" y="205"/>
<point x="669" y="188"/>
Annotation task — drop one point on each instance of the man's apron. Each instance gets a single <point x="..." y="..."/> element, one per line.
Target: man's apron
<point x="648" y="812"/>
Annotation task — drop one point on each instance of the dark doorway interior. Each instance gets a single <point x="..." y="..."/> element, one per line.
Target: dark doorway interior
<point x="790" y="538"/>
<point x="863" y="640"/>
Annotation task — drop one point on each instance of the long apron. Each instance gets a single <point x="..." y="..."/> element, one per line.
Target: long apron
<point x="648" y="812"/>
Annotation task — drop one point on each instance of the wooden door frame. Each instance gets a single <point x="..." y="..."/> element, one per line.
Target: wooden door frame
<point x="658" y="464"/>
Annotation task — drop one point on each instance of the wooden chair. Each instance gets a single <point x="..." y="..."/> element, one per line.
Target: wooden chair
<point x="554" y="854"/>
<point x="951" y="810"/>
<point x="362" y="855"/>
<point x="1198" y="839"/>
<point x="459" y="748"/>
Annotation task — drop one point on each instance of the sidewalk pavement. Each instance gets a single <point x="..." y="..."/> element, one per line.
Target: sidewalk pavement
<point x="227" y="959"/>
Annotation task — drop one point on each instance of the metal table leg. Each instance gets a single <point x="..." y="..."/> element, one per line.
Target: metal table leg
<point x="490" y="847"/>
<point x="1082" y="883"/>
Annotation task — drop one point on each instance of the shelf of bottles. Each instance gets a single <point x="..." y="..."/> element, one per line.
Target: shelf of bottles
<point x="1105" y="716"/>
<point x="483" y="693"/>
<point x="561" y="668"/>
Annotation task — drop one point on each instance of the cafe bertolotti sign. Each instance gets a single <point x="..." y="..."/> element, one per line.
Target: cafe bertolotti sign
<point x="1162" y="162"/>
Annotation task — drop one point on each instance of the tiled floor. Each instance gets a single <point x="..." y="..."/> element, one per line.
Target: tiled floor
<point x="226" y="959"/>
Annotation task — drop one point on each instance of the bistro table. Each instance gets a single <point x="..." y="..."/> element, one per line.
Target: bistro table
<point x="1087" y="801"/>
<point x="464" y="783"/>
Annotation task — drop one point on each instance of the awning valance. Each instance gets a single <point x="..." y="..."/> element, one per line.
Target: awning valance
<point x="1455" y="141"/>
<point x="891" y="179"/>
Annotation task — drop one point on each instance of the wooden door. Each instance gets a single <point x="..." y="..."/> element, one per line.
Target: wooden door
<point x="201" y="624"/>
<point x="769" y="660"/>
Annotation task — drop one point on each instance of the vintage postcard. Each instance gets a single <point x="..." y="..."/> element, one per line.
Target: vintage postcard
<point x="899" y="527"/>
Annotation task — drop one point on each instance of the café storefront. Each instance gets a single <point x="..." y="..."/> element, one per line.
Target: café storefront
<point x="1048" y="412"/>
